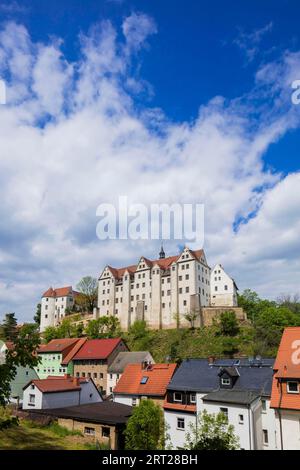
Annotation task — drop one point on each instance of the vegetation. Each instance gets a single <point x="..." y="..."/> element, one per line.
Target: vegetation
<point x="67" y="329"/>
<point x="9" y="327"/>
<point x="103" y="327"/>
<point x="87" y="298"/>
<point x="211" y="432"/>
<point x="37" y="316"/>
<point x="229" y="325"/>
<point x="6" y="418"/>
<point x="191" y="317"/>
<point x="26" y="342"/>
<point x="145" y="428"/>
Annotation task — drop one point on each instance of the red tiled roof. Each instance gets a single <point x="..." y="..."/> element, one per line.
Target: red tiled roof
<point x="287" y="366"/>
<point x="163" y="263"/>
<point x="179" y="407"/>
<point x="73" y="351"/>
<point x="58" y="345"/>
<point x="159" y="376"/>
<point x="97" y="348"/>
<point x="60" y="292"/>
<point x="58" y="384"/>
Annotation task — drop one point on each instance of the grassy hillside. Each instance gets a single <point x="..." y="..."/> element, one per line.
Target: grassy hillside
<point x="200" y="342"/>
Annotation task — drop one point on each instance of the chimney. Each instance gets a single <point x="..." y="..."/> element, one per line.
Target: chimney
<point x="211" y="360"/>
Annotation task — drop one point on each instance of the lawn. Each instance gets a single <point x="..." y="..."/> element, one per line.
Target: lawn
<point x="28" y="437"/>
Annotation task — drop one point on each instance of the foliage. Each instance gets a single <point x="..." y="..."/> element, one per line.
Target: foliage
<point x="9" y="327"/>
<point x="66" y="329"/>
<point x="103" y="327"/>
<point x="229" y="325"/>
<point x="145" y="428"/>
<point x="61" y="431"/>
<point x="37" y="316"/>
<point x="87" y="299"/>
<point x="191" y="317"/>
<point x="6" y="418"/>
<point x="292" y="302"/>
<point x="97" y="446"/>
<point x="140" y="336"/>
<point x="211" y="432"/>
<point x="25" y="343"/>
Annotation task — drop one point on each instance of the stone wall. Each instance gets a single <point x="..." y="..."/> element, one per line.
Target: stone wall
<point x="209" y="314"/>
<point x="80" y="426"/>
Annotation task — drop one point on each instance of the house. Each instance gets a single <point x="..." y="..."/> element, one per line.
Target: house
<point x="117" y="367"/>
<point x="155" y="290"/>
<point x="142" y="381"/>
<point x="103" y="422"/>
<point x="94" y="358"/>
<point x="240" y="388"/>
<point x="57" y="392"/>
<point x="285" y="399"/>
<point x="55" y="304"/>
<point x="24" y="374"/>
<point x="56" y="357"/>
<point x="223" y="288"/>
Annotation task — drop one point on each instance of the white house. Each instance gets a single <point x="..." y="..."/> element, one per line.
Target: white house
<point x="54" y="304"/>
<point x="117" y="367"/>
<point x="223" y="288"/>
<point x="241" y="389"/>
<point x="56" y="392"/>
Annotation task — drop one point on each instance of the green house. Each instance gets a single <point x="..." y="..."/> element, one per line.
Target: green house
<point x="56" y="357"/>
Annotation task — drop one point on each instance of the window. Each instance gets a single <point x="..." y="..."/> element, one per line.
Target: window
<point x="187" y="277"/>
<point x="180" y="278"/>
<point x="32" y="386"/>
<point x="133" y="402"/>
<point x="193" y="398"/>
<point x="101" y="375"/>
<point x="264" y="405"/>
<point x="95" y="375"/>
<point x="187" y="289"/>
<point x="111" y="376"/>
<point x="77" y="374"/>
<point x="89" y="431"/>
<point x="184" y="302"/>
<point x="180" y="423"/>
<point x="241" y="419"/>
<point x="144" y="380"/>
<point x="265" y="437"/>
<point x="216" y="288"/>
<point x="225" y="381"/>
<point x="110" y="389"/>
<point x="105" y="431"/>
<point x="292" y="387"/>
<point x="226" y="287"/>
<point x="224" y="411"/>
<point x="177" y="396"/>
<point x="31" y="399"/>
<point x="83" y="374"/>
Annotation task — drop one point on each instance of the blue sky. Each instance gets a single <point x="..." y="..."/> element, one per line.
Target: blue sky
<point x="213" y="75"/>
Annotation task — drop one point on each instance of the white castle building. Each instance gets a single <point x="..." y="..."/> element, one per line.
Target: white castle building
<point x="54" y="304"/>
<point x="164" y="290"/>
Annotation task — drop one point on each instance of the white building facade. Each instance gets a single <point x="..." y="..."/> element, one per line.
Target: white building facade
<point x="223" y="288"/>
<point x="54" y="304"/>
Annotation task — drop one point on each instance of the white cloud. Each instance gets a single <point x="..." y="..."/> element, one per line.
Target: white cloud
<point x="72" y="138"/>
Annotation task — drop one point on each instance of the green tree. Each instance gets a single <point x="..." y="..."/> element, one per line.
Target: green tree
<point x="211" y="432"/>
<point x="292" y="302"/>
<point x="229" y="325"/>
<point x="104" y="327"/>
<point x="140" y="335"/>
<point x="87" y="298"/>
<point x="26" y="342"/>
<point x="37" y="316"/>
<point x="9" y="327"/>
<point x="191" y="317"/>
<point x="145" y="428"/>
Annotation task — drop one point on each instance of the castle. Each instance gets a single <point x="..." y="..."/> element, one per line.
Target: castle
<point x="160" y="291"/>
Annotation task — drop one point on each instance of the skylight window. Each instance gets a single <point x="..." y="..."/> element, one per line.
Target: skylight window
<point x="144" y="380"/>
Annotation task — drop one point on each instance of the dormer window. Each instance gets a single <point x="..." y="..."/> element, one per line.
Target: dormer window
<point x="225" y="381"/>
<point x="292" y="387"/>
<point x="177" y="396"/>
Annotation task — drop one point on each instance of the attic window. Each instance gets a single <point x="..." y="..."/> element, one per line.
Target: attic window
<point x="144" y="380"/>
<point x="225" y="381"/>
<point x="293" y="387"/>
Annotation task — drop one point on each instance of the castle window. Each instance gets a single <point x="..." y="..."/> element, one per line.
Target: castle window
<point x="180" y="290"/>
<point x="163" y="305"/>
<point x="226" y="287"/>
<point x="46" y="307"/>
<point x="168" y="292"/>
<point x="143" y="285"/>
<point x="216" y="288"/>
<point x="187" y="289"/>
<point x="184" y="302"/>
<point x="187" y="277"/>
<point x="187" y="266"/>
<point x="180" y="278"/>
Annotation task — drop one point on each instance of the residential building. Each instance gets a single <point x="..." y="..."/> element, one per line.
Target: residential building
<point x="24" y="374"/>
<point x="160" y="291"/>
<point x="142" y="381"/>
<point x="55" y="303"/>
<point x="117" y="367"/>
<point x="58" y="392"/>
<point x="286" y="390"/>
<point x="240" y="388"/>
<point x="103" y="422"/>
<point x="94" y="358"/>
<point x="56" y="357"/>
<point x="223" y="288"/>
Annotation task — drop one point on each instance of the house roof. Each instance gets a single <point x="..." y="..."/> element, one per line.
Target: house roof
<point x="163" y="263"/>
<point x="63" y="345"/>
<point x="127" y="357"/>
<point x="74" y="350"/>
<point x="240" y="397"/>
<point x="97" y="348"/>
<point x="157" y="377"/>
<point x="60" y="292"/>
<point x="105" y="412"/>
<point x="199" y="376"/>
<point x="180" y="407"/>
<point x="286" y="367"/>
<point x="54" y="384"/>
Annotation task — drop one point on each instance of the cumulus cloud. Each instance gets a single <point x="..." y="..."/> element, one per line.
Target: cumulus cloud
<point x="71" y="138"/>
